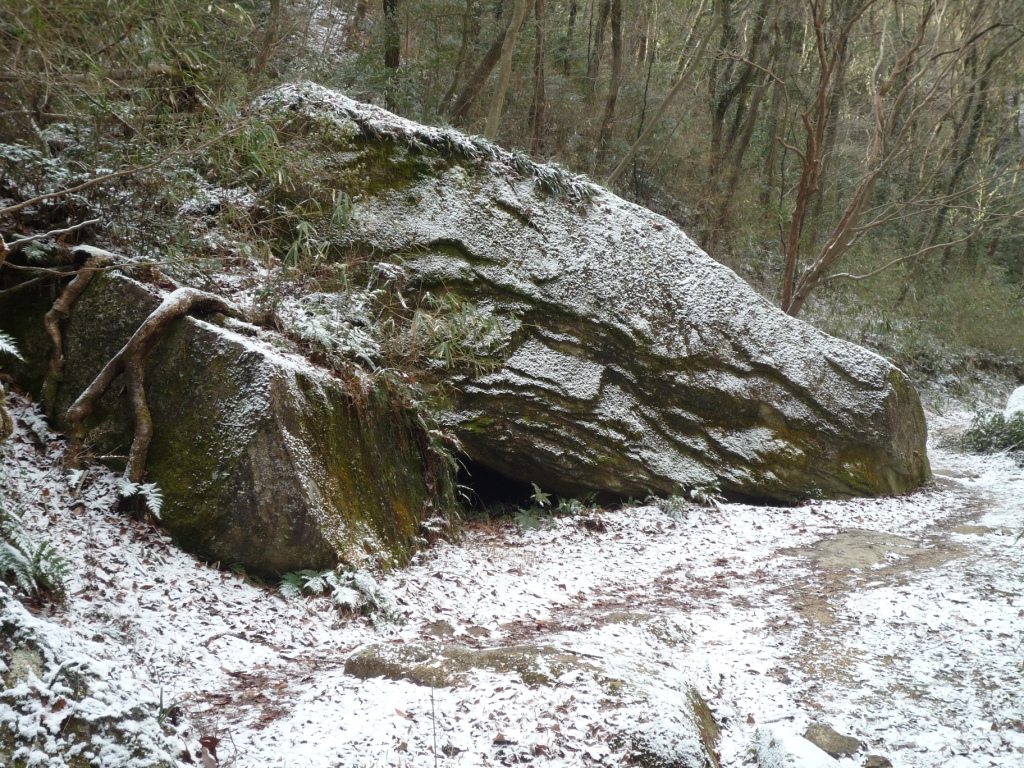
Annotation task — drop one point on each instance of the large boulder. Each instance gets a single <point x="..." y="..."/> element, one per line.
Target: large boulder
<point x="636" y="363"/>
<point x="262" y="459"/>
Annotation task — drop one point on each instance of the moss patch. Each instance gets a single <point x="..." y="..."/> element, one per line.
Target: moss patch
<point x="442" y="665"/>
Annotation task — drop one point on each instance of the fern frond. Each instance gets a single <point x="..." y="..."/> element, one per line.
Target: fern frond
<point x="291" y="585"/>
<point x="154" y="498"/>
<point x="14" y="565"/>
<point x="8" y="346"/>
<point x="150" y="493"/>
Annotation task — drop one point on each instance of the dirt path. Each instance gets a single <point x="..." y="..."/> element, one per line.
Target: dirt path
<point x="896" y="621"/>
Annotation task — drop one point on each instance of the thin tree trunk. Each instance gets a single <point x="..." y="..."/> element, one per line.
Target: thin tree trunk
<point x="538" y="106"/>
<point x="269" y="38"/>
<point x="460" y="109"/>
<point x="567" y="50"/>
<point x="392" y="36"/>
<point x="353" y="30"/>
<point x="523" y="7"/>
<point x="616" y="81"/>
<point x="596" y="52"/>
<point x="460" y="66"/>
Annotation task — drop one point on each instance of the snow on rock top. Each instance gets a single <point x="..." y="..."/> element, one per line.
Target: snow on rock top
<point x="1015" y="403"/>
<point x="638" y="361"/>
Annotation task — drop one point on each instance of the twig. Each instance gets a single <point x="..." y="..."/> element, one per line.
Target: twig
<point x="219" y="635"/>
<point x="433" y="721"/>
<point x="18" y="244"/>
<point x="901" y="259"/>
<point x="21" y="287"/>
<point x="135" y="131"/>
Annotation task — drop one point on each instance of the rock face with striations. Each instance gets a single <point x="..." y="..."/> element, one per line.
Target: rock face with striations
<point x="635" y="363"/>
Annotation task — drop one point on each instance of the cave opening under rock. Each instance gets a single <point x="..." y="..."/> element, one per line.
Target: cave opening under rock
<point x="488" y="490"/>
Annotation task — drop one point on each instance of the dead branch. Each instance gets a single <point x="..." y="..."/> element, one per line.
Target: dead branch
<point x="20" y="287"/>
<point x="130" y="361"/>
<point x="14" y="76"/>
<point x="60" y="312"/>
<point x="110" y="268"/>
<point x="902" y="259"/>
<point x="8" y="248"/>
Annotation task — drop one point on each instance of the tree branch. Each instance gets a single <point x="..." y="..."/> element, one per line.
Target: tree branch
<point x="901" y="259"/>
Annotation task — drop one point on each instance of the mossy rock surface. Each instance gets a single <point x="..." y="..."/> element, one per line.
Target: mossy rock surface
<point x="656" y="748"/>
<point x="439" y="665"/>
<point x="263" y="459"/>
<point x="636" y="363"/>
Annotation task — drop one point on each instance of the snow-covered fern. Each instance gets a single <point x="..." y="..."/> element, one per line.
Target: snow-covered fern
<point x="150" y="492"/>
<point x="8" y="347"/>
<point x="37" y="568"/>
<point x="349" y="591"/>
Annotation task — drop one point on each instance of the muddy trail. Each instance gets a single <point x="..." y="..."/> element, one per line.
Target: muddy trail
<point x="590" y="639"/>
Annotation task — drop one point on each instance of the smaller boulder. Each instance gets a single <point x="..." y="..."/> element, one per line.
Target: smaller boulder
<point x="1015" y="404"/>
<point x="877" y="761"/>
<point x="777" y="747"/>
<point x="831" y="741"/>
<point x="440" y="665"/>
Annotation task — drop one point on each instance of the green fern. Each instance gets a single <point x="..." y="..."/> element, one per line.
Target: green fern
<point x="37" y="568"/>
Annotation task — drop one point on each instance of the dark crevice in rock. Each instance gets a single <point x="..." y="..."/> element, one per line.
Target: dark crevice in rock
<point x="487" y="488"/>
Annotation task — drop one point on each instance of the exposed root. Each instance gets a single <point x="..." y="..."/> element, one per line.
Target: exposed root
<point x="130" y="361"/>
<point x="60" y="312"/>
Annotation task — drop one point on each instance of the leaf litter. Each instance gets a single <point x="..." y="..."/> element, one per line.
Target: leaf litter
<point x="897" y="621"/>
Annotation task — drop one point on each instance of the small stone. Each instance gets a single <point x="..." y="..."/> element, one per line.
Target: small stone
<point x="831" y="741"/>
<point x="439" y="628"/>
<point x="877" y="761"/>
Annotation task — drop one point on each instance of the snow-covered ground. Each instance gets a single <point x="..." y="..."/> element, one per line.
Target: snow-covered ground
<point x="897" y="621"/>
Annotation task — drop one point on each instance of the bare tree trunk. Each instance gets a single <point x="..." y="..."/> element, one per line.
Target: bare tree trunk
<point x="567" y="50"/>
<point x="538" y="106"/>
<point x="597" y="51"/>
<point x="460" y="109"/>
<point x="616" y="81"/>
<point x="392" y="36"/>
<point x="890" y="132"/>
<point x="353" y="30"/>
<point x="523" y="7"/>
<point x="460" y="66"/>
<point x="669" y="98"/>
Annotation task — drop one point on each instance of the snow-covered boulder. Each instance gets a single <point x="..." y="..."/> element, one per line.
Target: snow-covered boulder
<point x="262" y="458"/>
<point x="635" y="363"/>
<point x="1015" y="403"/>
<point x="776" y="747"/>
